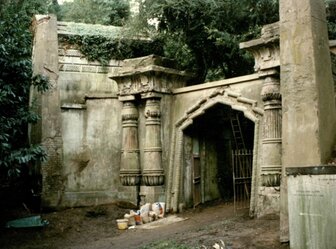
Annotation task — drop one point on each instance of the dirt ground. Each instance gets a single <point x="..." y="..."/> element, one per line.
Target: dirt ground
<point x="95" y="228"/>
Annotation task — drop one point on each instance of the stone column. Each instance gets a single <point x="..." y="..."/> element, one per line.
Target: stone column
<point x="130" y="172"/>
<point x="271" y="143"/>
<point x="48" y="130"/>
<point x="153" y="172"/>
<point x="307" y="91"/>
<point x="152" y="78"/>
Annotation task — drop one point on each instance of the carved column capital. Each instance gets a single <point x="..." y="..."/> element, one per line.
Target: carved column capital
<point x="271" y="89"/>
<point x="129" y="112"/>
<point x="152" y="109"/>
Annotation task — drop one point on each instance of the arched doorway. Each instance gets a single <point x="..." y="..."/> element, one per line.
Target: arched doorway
<point x="217" y="159"/>
<point x="221" y="100"/>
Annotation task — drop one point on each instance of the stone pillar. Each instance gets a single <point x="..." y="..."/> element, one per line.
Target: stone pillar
<point x="153" y="174"/>
<point x="130" y="172"/>
<point x="267" y="63"/>
<point x="48" y="130"/>
<point x="307" y="91"/>
<point x="151" y="80"/>
<point x="271" y="143"/>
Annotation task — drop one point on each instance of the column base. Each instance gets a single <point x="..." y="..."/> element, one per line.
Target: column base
<point x="268" y="201"/>
<point x="153" y="180"/>
<point x="130" y="179"/>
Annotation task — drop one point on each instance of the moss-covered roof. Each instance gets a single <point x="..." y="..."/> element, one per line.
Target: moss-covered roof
<point x="84" y="29"/>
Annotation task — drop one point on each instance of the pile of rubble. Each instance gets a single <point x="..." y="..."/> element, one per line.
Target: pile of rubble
<point x="146" y="214"/>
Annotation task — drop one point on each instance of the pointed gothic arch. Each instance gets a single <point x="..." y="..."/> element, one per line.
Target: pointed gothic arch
<point x="224" y="96"/>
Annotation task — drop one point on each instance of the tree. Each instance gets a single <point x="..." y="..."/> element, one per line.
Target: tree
<point x="54" y="8"/>
<point x="208" y="32"/>
<point x="106" y="12"/>
<point x="15" y="81"/>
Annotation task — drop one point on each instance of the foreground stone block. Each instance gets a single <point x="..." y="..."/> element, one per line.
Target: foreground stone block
<point x="307" y="89"/>
<point x="312" y="207"/>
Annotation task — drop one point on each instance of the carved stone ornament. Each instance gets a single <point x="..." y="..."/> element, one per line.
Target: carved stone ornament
<point x="149" y="74"/>
<point x="271" y="89"/>
<point x="266" y="50"/>
<point x="153" y="177"/>
<point x="130" y="179"/>
<point x="271" y="180"/>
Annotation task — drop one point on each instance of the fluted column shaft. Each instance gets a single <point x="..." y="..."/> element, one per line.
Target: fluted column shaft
<point x="130" y="171"/>
<point x="153" y="172"/>
<point x="271" y="142"/>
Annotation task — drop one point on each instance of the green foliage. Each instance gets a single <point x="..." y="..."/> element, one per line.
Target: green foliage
<point x="103" y="49"/>
<point x="331" y="17"/>
<point x="55" y="8"/>
<point x="15" y="82"/>
<point x="209" y="31"/>
<point x="106" y="12"/>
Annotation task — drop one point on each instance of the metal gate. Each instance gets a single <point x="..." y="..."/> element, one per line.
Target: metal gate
<point x="197" y="187"/>
<point x="196" y="173"/>
<point x="242" y="176"/>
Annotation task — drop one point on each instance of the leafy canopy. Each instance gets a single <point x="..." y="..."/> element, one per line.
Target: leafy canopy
<point x="331" y="18"/>
<point x="15" y="81"/>
<point x="205" y="34"/>
<point x="106" y="12"/>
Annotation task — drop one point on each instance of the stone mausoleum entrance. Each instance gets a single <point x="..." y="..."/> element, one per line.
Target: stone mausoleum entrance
<point x="218" y="156"/>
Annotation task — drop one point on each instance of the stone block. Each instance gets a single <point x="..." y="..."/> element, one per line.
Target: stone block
<point x="312" y="207"/>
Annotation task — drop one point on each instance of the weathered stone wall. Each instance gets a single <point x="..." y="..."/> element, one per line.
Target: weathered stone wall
<point x="91" y="127"/>
<point x="80" y="126"/>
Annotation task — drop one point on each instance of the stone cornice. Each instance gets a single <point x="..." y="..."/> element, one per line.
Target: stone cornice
<point x="148" y="74"/>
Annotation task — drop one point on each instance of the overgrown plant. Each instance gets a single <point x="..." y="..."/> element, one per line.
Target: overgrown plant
<point x="16" y="78"/>
<point x="102" y="48"/>
<point x="331" y="17"/>
<point x="208" y="32"/>
<point x="104" y="12"/>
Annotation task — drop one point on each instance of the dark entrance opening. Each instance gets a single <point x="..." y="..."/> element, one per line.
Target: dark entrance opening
<point x="218" y="157"/>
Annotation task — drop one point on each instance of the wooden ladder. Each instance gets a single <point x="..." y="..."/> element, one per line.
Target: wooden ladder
<point x="237" y="132"/>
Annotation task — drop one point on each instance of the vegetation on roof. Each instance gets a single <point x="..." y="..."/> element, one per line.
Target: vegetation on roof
<point x="104" y="48"/>
<point x="85" y="29"/>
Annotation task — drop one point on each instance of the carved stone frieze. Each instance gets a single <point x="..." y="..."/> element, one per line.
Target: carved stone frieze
<point x="149" y="74"/>
<point x="266" y="50"/>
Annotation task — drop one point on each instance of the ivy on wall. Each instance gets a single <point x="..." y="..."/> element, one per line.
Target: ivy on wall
<point x="103" y="49"/>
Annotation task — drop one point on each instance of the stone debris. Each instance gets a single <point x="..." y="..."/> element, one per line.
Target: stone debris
<point x="220" y="245"/>
<point x="146" y="214"/>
